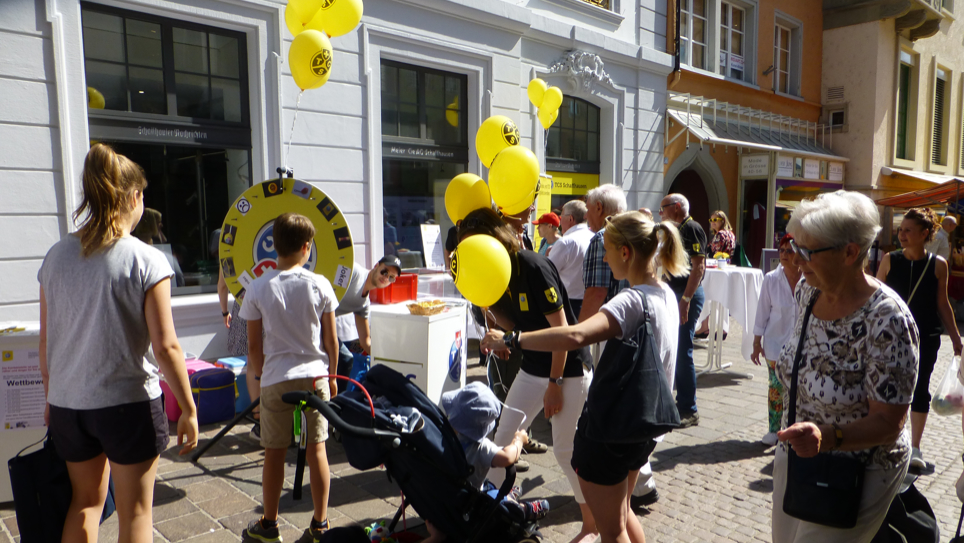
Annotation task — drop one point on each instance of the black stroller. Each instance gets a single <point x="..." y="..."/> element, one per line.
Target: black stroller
<point x="428" y="463"/>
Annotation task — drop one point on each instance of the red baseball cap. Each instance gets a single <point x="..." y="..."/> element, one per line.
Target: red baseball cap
<point x="548" y="218"/>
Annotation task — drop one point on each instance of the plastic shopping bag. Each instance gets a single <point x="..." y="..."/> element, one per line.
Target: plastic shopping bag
<point x="949" y="398"/>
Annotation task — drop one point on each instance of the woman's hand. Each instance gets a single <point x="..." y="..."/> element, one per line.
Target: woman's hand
<point x="493" y="342"/>
<point x="552" y="400"/>
<point x="957" y="345"/>
<point x="227" y="321"/>
<point x="757" y="353"/>
<point x="187" y="432"/>
<point x="804" y="437"/>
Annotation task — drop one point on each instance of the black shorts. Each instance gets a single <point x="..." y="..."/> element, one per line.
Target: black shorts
<point x="129" y="433"/>
<point x="608" y="464"/>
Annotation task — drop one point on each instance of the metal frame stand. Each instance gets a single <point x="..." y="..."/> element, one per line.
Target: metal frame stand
<point x="224" y="431"/>
<point x="714" y="351"/>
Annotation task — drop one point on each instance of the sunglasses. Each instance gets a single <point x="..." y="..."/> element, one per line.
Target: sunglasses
<point x="716" y="219"/>
<point x="786" y="251"/>
<point x="391" y="276"/>
<point x="807" y="254"/>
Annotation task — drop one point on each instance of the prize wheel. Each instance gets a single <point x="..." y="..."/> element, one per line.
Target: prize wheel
<point x="246" y="248"/>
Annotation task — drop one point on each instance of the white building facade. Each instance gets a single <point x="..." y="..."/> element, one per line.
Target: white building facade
<point x="199" y="94"/>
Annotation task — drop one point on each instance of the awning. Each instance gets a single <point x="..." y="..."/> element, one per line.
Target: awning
<point x="912" y="175"/>
<point x="943" y="194"/>
<point x="721" y="130"/>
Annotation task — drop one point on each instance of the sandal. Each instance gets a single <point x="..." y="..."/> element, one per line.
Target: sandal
<point x="535" y="447"/>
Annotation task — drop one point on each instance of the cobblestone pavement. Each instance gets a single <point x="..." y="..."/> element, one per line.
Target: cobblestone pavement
<point x="714" y="479"/>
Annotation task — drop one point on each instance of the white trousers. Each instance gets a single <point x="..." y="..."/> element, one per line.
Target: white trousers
<point x="526" y="395"/>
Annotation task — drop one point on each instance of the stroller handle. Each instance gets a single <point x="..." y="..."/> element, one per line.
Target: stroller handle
<point x="326" y="411"/>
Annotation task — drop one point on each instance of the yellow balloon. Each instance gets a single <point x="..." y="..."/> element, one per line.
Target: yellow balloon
<point x="514" y="179"/>
<point x="452" y="113"/>
<point x="536" y="91"/>
<point x="547" y="117"/>
<point x="496" y="133"/>
<point x="552" y="99"/>
<point x="481" y="268"/>
<point x="337" y="17"/>
<point x="95" y="100"/>
<point x="466" y="193"/>
<point x="310" y="59"/>
<point x="298" y="13"/>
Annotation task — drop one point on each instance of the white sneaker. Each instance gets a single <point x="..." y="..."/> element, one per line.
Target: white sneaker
<point x="917" y="459"/>
<point x="770" y="439"/>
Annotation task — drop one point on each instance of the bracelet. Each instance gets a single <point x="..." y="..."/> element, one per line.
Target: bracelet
<point x="838" y="437"/>
<point x="224" y="313"/>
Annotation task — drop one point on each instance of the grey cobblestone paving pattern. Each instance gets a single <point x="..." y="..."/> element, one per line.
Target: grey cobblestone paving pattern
<point x="714" y="479"/>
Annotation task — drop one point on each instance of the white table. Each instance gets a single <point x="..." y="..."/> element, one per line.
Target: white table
<point x="737" y="290"/>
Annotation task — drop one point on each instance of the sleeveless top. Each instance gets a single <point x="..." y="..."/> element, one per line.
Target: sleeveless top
<point x="902" y="277"/>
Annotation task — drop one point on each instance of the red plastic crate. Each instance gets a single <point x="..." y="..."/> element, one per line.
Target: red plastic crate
<point x="404" y="288"/>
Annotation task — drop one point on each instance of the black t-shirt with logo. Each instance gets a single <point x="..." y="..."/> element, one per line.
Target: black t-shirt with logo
<point x="694" y="243"/>
<point x="535" y="290"/>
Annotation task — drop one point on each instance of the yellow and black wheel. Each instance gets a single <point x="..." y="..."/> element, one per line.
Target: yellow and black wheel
<point x="246" y="248"/>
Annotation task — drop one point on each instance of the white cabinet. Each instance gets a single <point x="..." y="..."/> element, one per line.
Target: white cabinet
<point x="428" y="350"/>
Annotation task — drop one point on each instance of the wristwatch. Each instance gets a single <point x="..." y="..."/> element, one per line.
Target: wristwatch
<point x="838" y="436"/>
<point x="556" y="380"/>
<point x="686" y="298"/>
<point x="224" y="313"/>
<point x="511" y="339"/>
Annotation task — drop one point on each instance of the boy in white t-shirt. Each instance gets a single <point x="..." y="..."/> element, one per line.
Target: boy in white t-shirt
<point x="296" y="309"/>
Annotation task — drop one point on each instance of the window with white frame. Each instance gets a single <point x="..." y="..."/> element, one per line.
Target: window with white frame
<point x="942" y="108"/>
<point x="693" y="30"/>
<point x="732" y="41"/>
<point x="787" y="56"/>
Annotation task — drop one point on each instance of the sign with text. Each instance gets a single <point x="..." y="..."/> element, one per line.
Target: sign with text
<point x="836" y="171"/>
<point x="755" y="166"/>
<point x="784" y="166"/>
<point x="811" y="168"/>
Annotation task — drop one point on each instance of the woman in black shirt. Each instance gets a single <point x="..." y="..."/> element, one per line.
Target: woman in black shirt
<point x="920" y="278"/>
<point x="557" y="382"/>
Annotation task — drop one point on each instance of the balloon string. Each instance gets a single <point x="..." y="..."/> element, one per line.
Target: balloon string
<point x="291" y="133"/>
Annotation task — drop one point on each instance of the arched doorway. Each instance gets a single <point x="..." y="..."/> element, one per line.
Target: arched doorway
<point x="690" y="184"/>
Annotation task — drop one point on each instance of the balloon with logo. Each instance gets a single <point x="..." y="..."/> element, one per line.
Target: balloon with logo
<point x="496" y="133"/>
<point x="310" y="59"/>
<point x="481" y="268"/>
<point x="536" y="91"/>
<point x="299" y="13"/>
<point x="336" y="17"/>
<point x="466" y="193"/>
<point x="514" y="179"/>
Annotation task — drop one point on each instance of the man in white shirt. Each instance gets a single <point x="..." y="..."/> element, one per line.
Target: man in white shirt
<point x="940" y="245"/>
<point x="570" y="250"/>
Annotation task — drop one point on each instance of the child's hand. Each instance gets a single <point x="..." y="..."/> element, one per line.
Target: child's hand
<point x="187" y="432"/>
<point x="332" y="387"/>
<point x="523" y="437"/>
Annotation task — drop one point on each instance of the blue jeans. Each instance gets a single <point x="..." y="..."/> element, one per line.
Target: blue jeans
<point x="685" y="369"/>
<point x="345" y="359"/>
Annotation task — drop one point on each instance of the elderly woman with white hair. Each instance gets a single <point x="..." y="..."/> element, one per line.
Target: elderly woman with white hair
<point x="848" y="370"/>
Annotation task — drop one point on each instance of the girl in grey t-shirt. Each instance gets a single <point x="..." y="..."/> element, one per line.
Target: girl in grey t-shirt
<point x="104" y="297"/>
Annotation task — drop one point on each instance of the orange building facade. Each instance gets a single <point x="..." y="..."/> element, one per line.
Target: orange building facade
<point x="745" y="131"/>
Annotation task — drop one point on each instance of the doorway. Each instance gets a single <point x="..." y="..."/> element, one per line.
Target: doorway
<point x="690" y="184"/>
<point x="753" y="229"/>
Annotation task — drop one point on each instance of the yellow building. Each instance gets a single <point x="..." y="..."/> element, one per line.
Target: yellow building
<point x="743" y="126"/>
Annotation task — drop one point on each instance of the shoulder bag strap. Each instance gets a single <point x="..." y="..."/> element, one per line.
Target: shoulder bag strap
<point x="930" y="256"/>
<point x="792" y="415"/>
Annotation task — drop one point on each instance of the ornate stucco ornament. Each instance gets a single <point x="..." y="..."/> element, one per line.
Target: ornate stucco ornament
<point x="584" y="69"/>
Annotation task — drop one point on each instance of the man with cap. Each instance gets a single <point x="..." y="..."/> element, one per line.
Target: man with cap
<point x="548" y="226"/>
<point x="356" y="301"/>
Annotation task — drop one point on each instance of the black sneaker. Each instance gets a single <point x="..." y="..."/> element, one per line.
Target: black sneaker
<point x="256" y="533"/>
<point x="689" y="419"/>
<point x="255" y="433"/>
<point x="313" y="534"/>
<point x="535" y="509"/>
<point x="645" y="500"/>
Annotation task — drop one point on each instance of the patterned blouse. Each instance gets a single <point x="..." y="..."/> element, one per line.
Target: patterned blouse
<point x="723" y="242"/>
<point x="870" y="354"/>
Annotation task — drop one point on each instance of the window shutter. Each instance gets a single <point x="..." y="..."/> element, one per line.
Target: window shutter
<point x="938" y="141"/>
<point x="835" y="94"/>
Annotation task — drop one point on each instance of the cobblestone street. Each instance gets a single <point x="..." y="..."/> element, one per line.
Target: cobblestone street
<point x="714" y="479"/>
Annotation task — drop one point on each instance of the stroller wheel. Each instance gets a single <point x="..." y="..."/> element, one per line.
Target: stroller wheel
<point x="530" y="539"/>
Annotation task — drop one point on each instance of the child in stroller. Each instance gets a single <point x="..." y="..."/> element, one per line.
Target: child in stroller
<point x="472" y="412"/>
<point x="426" y="459"/>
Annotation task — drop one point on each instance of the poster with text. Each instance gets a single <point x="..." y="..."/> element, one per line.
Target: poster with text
<point x="22" y="398"/>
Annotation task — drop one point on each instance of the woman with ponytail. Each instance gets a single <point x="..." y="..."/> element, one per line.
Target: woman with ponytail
<point x="635" y="247"/>
<point x="105" y="296"/>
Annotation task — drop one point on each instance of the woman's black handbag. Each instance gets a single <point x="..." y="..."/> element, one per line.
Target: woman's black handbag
<point x="630" y="400"/>
<point x="42" y="493"/>
<point x="824" y="489"/>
